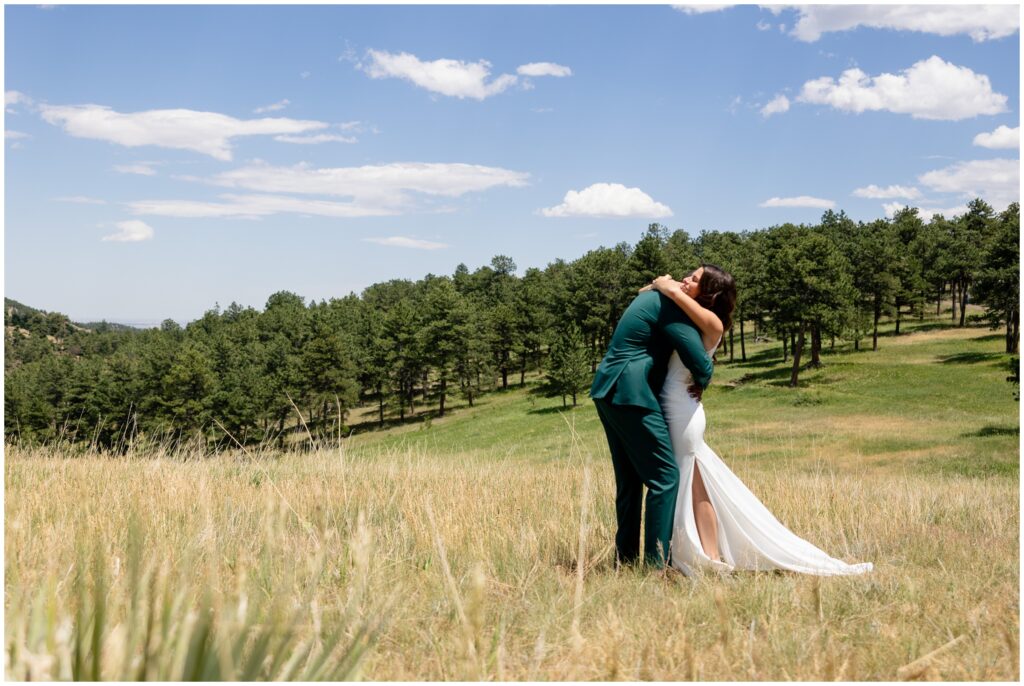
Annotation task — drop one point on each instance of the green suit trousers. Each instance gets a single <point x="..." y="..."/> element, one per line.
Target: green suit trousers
<point x="642" y="455"/>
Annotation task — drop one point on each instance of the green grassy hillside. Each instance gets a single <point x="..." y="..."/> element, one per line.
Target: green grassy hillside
<point x="934" y="398"/>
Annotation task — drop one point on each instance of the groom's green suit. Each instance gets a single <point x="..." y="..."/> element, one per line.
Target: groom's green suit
<point x="625" y="390"/>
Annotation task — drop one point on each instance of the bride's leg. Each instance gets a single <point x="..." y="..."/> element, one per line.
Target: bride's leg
<point x="704" y="513"/>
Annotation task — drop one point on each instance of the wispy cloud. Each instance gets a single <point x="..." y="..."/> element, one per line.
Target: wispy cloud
<point x="453" y="78"/>
<point x="980" y="22"/>
<point x="279" y="105"/>
<point x="316" y="138"/>
<point x="996" y="181"/>
<point x="873" y="191"/>
<point x="373" y="191"/>
<point x="141" y="168"/>
<point x="1002" y="138"/>
<point x="778" y="105"/>
<point x="131" y="231"/>
<point x="608" y="200"/>
<point x="386" y="183"/>
<point x="15" y="138"/>
<point x="799" y="201"/>
<point x="254" y="207"/>
<point x="209" y="133"/>
<point x="543" y="69"/>
<point x="404" y="242"/>
<point x="700" y="9"/>
<point x="14" y="98"/>
<point x="930" y="89"/>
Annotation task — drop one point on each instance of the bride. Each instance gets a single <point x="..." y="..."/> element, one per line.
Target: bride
<point x="719" y="524"/>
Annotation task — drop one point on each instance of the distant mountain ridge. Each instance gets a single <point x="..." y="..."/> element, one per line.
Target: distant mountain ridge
<point x="23" y="316"/>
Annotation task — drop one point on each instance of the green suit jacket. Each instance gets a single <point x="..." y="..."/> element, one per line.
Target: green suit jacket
<point x="633" y="370"/>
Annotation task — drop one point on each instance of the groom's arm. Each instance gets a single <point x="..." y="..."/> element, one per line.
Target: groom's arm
<point x="686" y="341"/>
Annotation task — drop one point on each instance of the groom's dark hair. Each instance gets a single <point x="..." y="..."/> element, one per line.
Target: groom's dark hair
<point x="718" y="293"/>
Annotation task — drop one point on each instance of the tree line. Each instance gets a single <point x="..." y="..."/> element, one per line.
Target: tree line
<point x="402" y="347"/>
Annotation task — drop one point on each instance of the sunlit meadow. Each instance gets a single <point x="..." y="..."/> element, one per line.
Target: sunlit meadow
<point x="480" y="546"/>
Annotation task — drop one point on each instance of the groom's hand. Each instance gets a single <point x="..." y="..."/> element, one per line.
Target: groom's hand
<point x="695" y="391"/>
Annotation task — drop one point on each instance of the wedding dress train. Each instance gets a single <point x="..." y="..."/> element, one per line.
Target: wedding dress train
<point x="749" y="536"/>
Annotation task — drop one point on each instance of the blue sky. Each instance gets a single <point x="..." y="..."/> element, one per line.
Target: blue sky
<point x="161" y="159"/>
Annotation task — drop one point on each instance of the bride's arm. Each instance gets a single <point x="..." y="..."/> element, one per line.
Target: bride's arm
<point x="706" y="320"/>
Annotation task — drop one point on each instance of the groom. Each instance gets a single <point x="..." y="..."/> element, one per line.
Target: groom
<point x="625" y="390"/>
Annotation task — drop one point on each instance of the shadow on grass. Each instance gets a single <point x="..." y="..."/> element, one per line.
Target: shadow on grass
<point x="969" y="358"/>
<point x="914" y="326"/>
<point x="422" y="417"/>
<point x="554" y="410"/>
<point x="762" y="358"/>
<point x="991" y="337"/>
<point x="777" y="376"/>
<point x="780" y="376"/>
<point x="990" y="430"/>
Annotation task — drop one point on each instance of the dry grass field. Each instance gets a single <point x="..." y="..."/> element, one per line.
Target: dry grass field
<point x="479" y="546"/>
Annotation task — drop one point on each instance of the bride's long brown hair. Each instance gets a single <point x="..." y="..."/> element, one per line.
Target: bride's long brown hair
<point x="718" y="293"/>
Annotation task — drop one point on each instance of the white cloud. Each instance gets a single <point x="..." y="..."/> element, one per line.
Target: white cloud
<point x="778" y="105"/>
<point x="304" y="75"/>
<point x="317" y="138"/>
<point x="381" y="190"/>
<point x="254" y="207"/>
<point x="143" y="169"/>
<point x="995" y="181"/>
<point x="763" y="26"/>
<point x="930" y="89"/>
<point x="386" y="183"/>
<point x="700" y="9"/>
<point x="980" y="22"/>
<point x="799" y="201"/>
<point x="15" y="135"/>
<point x="448" y="77"/>
<point x="208" y="133"/>
<point x="279" y="105"/>
<point x="12" y="98"/>
<point x="873" y="191"/>
<point x="608" y="200"/>
<point x="81" y="199"/>
<point x="543" y="69"/>
<point x="1002" y="138"/>
<point x="351" y="126"/>
<point x="131" y="231"/>
<point x="403" y="242"/>
<point x="891" y="208"/>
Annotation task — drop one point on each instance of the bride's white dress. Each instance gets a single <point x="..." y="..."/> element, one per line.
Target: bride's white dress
<point x="749" y="536"/>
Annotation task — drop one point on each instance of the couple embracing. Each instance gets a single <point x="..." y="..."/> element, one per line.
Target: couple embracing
<point x="699" y="515"/>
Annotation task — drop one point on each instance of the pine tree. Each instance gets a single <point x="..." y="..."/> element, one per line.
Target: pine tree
<point x="568" y="364"/>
